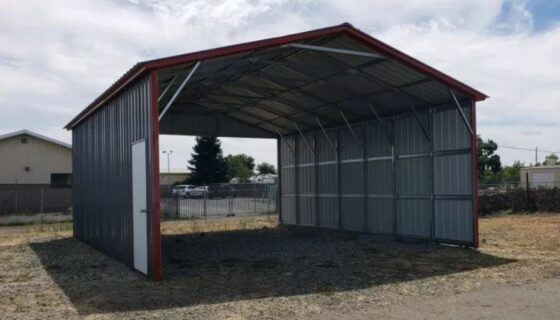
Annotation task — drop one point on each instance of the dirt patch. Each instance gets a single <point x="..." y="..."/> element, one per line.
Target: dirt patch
<point x="249" y="268"/>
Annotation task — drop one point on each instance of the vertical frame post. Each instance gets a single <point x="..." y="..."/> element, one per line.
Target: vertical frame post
<point x="432" y="176"/>
<point x="316" y="173"/>
<point x="279" y="166"/>
<point x="475" y="174"/>
<point x="296" y="179"/>
<point x="338" y="181"/>
<point x="365" y="174"/>
<point x="154" y="222"/>
<point x="395" y="187"/>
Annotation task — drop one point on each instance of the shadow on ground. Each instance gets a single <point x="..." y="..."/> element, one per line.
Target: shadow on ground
<point x="247" y="264"/>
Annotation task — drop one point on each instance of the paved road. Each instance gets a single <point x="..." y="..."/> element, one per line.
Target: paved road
<point x="539" y="300"/>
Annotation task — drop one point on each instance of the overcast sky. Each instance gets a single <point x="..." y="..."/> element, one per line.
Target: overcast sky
<point x="57" y="56"/>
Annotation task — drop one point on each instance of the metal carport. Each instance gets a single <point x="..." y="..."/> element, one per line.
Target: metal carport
<point x="369" y="139"/>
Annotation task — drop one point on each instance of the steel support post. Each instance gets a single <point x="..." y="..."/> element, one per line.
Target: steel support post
<point x="365" y="174"/>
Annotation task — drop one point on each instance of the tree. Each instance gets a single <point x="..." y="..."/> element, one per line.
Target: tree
<point x="240" y="166"/>
<point x="551" y="159"/>
<point x="266" y="168"/>
<point x="510" y="174"/>
<point x="207" y="164"/>
<point x="488" y="162"/>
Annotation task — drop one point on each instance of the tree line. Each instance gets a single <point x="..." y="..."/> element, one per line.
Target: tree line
<point x="208" y="165"/>
<point x="490" y="169"/>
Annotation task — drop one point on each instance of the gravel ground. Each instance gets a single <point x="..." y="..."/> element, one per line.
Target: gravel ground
<point x="248" y="268"/>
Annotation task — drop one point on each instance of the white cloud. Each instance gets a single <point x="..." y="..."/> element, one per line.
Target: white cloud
<point x="57" y="56"/>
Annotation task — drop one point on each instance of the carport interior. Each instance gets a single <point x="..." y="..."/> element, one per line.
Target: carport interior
<point x="369" y="139"/>
<point x="365" y="142"/>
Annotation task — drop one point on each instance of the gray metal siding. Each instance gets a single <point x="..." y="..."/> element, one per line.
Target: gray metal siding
<point x="420" y="187"/>
<point x="453" y="220"/>
<point x="102" y="199"/>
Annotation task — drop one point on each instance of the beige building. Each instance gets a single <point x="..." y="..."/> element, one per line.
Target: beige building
<point x="541" y="176"/>
<point x="30" y="158"/>
<point x="175" y="175"/>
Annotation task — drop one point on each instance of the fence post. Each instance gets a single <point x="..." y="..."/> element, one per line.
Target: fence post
<point x="41" y="207"/>
<point x="204" y="205"/>
<point x="16" y="198"/>
<point x="255" y="196"/>
<point x="177" y="206"/>
<point x="230" y="199"/>
<point x="527" y="191"/>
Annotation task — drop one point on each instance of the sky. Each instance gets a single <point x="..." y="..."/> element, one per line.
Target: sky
<point x="58" y="56"/>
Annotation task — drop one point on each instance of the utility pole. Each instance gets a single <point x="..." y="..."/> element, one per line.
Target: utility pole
<point x="536" y="156"/>
<point x="168" y="153"/>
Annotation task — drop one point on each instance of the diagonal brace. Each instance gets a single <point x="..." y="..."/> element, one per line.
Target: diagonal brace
<point x="167" y="88"/>
<point x="417" y="116"/>
<point x="304" y="138"/>
<point x="461" y="111"/>
<point x="381" y="123"/>
<point x="326" y="134"/>
<point x="285" y="141"/>
<point x="170" y="102"/>
<point x="350" y="128"/>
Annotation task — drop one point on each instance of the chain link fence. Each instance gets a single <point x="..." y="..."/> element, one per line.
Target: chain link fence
<point x="34" y="198"/>
<point x="230" y="200"/>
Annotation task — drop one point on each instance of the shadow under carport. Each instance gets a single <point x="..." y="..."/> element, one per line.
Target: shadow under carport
<point x="247" y="264"/>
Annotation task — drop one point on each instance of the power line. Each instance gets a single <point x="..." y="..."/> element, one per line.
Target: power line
<point x="536" y="149"/>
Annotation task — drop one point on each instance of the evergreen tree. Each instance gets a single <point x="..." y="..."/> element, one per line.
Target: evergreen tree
<point x="207" y="164"/>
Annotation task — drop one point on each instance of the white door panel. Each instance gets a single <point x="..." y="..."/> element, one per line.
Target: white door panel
<point x="139" y="206"/>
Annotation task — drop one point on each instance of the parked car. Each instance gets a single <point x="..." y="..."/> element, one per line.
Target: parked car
<point x="218" y="190"/>
<point x="198" y="192"/>
<point x="182" y="190"/>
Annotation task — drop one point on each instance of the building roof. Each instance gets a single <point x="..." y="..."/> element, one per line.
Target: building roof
<point x="174" y="171"/>
<point x="35" y="135"/>
<point x="403" y="73"/>
<point x="542" y="167"/>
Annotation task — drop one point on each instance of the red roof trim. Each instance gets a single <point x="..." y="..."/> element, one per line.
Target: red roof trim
<point x="347" y="28"/>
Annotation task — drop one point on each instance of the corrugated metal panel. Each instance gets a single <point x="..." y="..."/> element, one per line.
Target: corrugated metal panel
<point x="378" y="145"/>
<point x="328" y="212"/>
<point x="380" y="177"/>
<point x="288" y="176"/>
<point x="306" y="180"/>
<point x="306" y="209"/>
<point x="286" y="154"/>
<point x="305" y="154"/>
<point x="413" y="217"/>
<point x="381" y="215"/>
<point x="413" y="211"/>
<point x="351" y="178"/>
<point x="349" y="148"/>
<point x="413" y="176"/>
<point x="289" y="210"/>
<point x="409" y="138"/>
<point x="326" y="152"/>
<point x="453" y="220"/>
<point x="452" y="174"/>
<point x="102" y="191"/>
<point x="450" y="131"/>
<point x="352" y="217"/>
<point x="327" y="179"/>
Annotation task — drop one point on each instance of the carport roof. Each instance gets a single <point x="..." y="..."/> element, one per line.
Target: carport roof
<point x="299" y="79"/>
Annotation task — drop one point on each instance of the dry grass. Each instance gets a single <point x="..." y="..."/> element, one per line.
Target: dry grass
<point x="249" y="268"/>
<point x="218" y="225"/>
